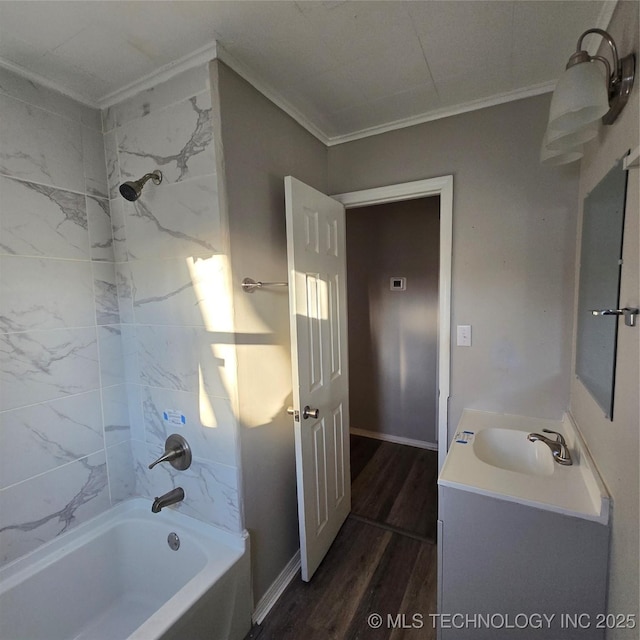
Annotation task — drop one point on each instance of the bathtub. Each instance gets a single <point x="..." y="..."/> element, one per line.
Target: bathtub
<point x="116" y="577"/>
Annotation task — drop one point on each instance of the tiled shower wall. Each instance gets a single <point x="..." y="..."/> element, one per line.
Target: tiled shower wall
<point x="103" y="333"/>
<point x="60" y="389"/>
<point x="173" y="287"/>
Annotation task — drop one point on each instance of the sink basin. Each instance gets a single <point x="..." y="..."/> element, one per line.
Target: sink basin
<point x="509" y="449"/>
<point x="491" y="456"/>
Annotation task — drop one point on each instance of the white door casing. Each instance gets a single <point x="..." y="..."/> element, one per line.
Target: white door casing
<point x="443" y="187"/>
<point x="316" y="247"/>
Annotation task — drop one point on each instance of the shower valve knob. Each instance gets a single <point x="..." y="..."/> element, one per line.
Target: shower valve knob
<point x="177" y="452"/>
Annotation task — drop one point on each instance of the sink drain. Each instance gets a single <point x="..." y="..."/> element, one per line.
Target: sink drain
<point x="173" y="541"/>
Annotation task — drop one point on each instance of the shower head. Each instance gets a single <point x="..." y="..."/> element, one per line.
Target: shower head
<point x="132" y="190"/>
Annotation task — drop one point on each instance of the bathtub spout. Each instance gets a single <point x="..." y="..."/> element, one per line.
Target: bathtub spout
<point x="171" y="497"/>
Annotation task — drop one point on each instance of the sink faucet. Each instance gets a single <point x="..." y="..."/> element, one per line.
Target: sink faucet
<point x="171" y="497"/>
<point x="558" y="446"/>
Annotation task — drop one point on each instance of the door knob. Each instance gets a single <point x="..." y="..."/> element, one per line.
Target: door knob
<point x="628" y="313"/>
<point x="308" y="412"/>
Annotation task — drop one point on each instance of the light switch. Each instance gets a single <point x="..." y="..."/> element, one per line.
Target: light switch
<point x="464" y="335"/>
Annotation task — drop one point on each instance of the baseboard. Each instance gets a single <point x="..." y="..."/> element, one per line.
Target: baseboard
<point x="420" y="444"/>
<point x="276" y="589"/>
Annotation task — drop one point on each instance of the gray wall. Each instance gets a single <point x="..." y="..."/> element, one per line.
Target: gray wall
<point x="393" y="335"/>
<point x="261" y="145"/>
<point x="514" y="225"/>
<point x="615" y="445"/>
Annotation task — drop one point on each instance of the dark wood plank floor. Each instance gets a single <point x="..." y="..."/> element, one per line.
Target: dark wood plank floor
<point x="381" y="562"/>
<point x="395" y="485"/>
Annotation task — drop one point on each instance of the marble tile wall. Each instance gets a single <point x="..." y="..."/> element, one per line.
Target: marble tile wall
<point x="64" y="417"/>
<point x="112" y="314"/>
<point x="174" y="307"/>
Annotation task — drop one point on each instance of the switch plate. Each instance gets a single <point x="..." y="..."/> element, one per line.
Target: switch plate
<point x="464" y="335"/>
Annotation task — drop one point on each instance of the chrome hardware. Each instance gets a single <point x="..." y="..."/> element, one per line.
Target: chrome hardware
<point x="176" y="451"/>
<point x="308" y="412"/>
<point x="133" y="189"/>
<point x="173" y="541"/>
<point x="628" y="313"/>
<point x="171" y="497"/>
<point x="249" y="285"/>
<point x="292" y="412"/>
<point x="558" y="447"/>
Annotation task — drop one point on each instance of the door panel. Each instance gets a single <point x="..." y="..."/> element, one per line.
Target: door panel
<point x="317" y="296"/>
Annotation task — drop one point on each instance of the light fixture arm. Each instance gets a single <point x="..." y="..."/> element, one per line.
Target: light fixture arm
<point x="619" y="75"/>
<point x="614" y="52"/>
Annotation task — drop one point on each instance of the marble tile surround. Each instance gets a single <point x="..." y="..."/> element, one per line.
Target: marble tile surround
<point x="211" y="489"/>
<point x="177" y="336"/>
<point x="51" y="153"/>
<point x="57" y="284"/>
<point x="45" y="436"/>
<point x="104" y="321"/>
<point x="40" y="293"/>
<point x="38" y="366"/>
<point x="40" y="220"/>
<point x="47" y="505"/>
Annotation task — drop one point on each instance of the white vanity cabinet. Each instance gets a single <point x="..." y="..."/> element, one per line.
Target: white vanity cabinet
<point x="520" y="555"/>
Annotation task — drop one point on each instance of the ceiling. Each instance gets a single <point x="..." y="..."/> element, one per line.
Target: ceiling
<point x="342" y="68"/>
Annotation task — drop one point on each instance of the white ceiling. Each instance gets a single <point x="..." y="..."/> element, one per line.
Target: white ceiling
<point x="342" y="67"/>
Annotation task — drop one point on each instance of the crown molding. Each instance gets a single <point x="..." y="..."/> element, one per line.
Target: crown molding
<point x="48" y="83"/>
<point x="446" y="112"/>
<point x="199" y="56"/>
<point x="269" y="93"/>
<point x="215" y="50"/>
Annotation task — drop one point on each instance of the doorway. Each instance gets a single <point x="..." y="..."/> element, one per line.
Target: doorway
<point x="392" y="308"/>
<point x="316" y="255"/>
<point x="442" y="187"/>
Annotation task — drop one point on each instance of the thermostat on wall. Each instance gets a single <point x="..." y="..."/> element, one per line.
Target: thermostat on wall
<point x="397" y="284"/>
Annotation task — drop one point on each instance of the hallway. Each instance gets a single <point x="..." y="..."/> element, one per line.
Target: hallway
<point x="383" y="561"/>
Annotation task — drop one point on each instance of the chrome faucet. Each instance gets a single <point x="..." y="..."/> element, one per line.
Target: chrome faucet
<point x="558" y="446"/>
<point x="171" y="497"/>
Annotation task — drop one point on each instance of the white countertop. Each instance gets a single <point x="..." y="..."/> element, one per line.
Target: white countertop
<point x="575" y="490"/>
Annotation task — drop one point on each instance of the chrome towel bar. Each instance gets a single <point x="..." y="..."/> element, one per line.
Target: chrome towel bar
<point x="249" y="285"/>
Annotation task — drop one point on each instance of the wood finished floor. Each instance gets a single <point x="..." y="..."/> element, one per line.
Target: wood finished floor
<point x="383" y="560"/>
<point x="395" y="485"/>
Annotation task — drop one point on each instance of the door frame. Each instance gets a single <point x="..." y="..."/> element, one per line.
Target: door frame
<point x="443" y="187"/>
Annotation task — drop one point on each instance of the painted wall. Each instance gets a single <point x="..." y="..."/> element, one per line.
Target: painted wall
<point x="514" y="225"/>
<point x="615" y="446"/>
<point x="261" y="145"/>
<point x="173" y="288"/>
<point x="59" y="423"/>
<point x="393" y="335"/>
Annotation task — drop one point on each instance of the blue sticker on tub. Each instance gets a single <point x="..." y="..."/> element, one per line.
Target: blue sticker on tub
<point x="464" y="437"/>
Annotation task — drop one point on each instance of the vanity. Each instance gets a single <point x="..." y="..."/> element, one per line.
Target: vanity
<point x="523" y="541"/>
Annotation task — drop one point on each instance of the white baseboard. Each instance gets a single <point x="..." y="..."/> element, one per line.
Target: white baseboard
<point x="276" y="589"/>
<point x="420" y="444"/>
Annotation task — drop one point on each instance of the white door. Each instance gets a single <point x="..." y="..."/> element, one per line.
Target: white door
<point x="317" y="303"/>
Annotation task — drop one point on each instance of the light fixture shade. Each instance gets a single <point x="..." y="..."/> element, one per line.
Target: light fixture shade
<point x="556" y="158"/>
<point x="551" y="158"/>
<point x="563" y="140"/>
<point x="580" y="98"/>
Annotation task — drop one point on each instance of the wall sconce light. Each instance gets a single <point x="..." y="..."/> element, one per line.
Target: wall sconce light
<point x="583" y="96"/>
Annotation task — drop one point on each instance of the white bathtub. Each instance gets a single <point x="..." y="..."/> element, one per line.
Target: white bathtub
<point x="116" y="577"/>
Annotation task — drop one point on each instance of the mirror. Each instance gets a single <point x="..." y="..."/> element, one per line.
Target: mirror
<point x="600" y="267"/>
